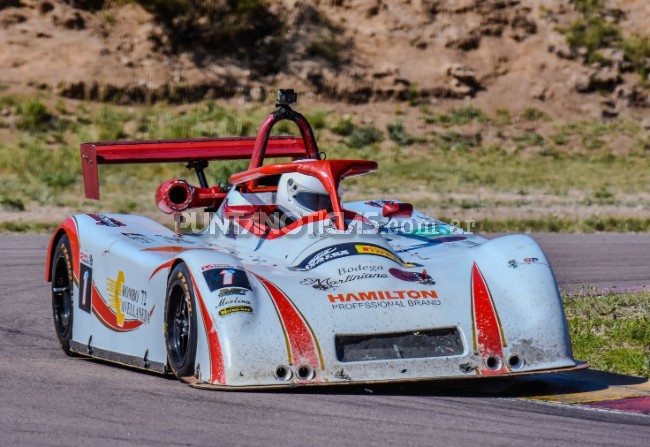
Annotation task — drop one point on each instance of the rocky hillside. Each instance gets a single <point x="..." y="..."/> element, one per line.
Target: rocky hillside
<point x="565" y="57"/>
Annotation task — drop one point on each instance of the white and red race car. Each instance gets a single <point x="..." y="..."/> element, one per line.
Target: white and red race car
<point x="288" y="286"/>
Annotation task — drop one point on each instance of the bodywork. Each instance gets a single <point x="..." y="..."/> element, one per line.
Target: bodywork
<point x="360" y="298"/>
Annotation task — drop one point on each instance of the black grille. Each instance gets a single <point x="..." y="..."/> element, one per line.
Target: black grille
<point x="405" y="345"/>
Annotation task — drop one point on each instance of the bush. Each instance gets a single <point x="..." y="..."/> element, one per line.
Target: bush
<point x="533" y="114"/>
<point x="398" y="134"/>
<point x="637" y="52"/>
<point x="343" y="127"/>
<point x="458" y="117"/>
<point x="364" y="136"/>
<point x="33" y="116"/>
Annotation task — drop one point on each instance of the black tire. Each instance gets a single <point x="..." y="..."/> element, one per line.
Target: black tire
<point x="63" y="293"/>
<point x="180" y="322"/>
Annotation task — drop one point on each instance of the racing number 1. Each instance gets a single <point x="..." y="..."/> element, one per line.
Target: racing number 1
<point x="227" y="276"/>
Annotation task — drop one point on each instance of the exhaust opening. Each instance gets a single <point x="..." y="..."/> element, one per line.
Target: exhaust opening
<point x="178" y="194"/>
<point x="283" y="373"/>
<point x="304" y="372"/>
<point x="515" y="362"/>
<point x="493" y="362"/>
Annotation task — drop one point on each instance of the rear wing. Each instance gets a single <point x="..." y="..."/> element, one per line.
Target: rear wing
<point x="170" y="151"/>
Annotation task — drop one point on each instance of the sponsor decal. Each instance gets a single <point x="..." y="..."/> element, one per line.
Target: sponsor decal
<point x="115" y="297"/>
<point x="331" y="284"/>
<point x="177" y="239"/>
<point x="433" y="230"/>
<point x="216" y="266"/>
<point x="101" y="219"/>
<point x="85" y="286"/>
<point x="126" y="307"/>
<point x="347" y="274"/>
<point x="127" y="301"/>
<point x="513" y="263"/>
<point x="369" y="249"/>
<point x="387" y="304"/>
<point x="229" y="302"/>
<point x="137" y="237"/>
<point x="378" y="203"/>
<point x="85" y="258"/>
<point x="421" y="277"/>
<point x="360" y="268"/>
<point x="226" y="276"/>
<point x="381" y="295"/>
<point x="232" y="291"/>
<point x="324" y="255"/>
<point x="349" y="249"/>
<point x="231" y="310"/>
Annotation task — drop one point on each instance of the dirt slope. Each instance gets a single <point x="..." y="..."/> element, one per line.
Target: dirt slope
<point x="495" y="52"/>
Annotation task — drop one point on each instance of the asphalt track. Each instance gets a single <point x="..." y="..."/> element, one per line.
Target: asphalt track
<point x="49" y="399"/>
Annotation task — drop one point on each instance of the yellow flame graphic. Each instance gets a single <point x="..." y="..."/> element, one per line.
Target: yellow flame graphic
<point x="115" y="298"/>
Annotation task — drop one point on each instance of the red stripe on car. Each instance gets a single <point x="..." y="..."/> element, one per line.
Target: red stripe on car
<point x="164" y="265"/>
<point x="217" y="370"/>
<point x="304" y="347"/>
<point x="70" y="227"/>
<point x="488" y="335"/>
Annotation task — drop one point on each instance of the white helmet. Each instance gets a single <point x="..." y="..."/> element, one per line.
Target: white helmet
<point x="301" y="195"/>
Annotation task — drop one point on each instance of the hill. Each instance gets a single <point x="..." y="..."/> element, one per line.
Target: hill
<point x="568" y="58"/>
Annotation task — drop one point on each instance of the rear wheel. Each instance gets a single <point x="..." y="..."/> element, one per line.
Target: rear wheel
<point x="63" y="293"/>
<point x="180" y="322"/>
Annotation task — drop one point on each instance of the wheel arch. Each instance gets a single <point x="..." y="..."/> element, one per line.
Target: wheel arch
<point x="69" y="228"/>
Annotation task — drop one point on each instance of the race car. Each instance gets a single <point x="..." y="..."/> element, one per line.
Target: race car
<point x="290" y="286"/>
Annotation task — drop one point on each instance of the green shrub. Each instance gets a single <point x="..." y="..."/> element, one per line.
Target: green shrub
<point x="502" y="117"/>
<point x="637" y="51"/>
<point x="533" y="114"/>
<point x="454" y="141"/>
<point x="592" y="33"/>
<point x="318" y="119"/>
<point x="59" y="179"/>
<point x="34" y="116"/>
<point x="529" y="139"/>
<point x="588" y="7"/>
<point x="398" y="133"/>
<point x="364" y="136"/>
<point x="344" y="127"/>
<point x="458" y="117"/>
<point x="11" y="204"/>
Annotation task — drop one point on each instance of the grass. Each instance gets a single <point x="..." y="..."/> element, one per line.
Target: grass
<point x="456" y="117"/>
<point x="464" y="161"/>
<point x="611" y="331"/>
<point x="27" y="227"/>
<point x="554" y="224"/>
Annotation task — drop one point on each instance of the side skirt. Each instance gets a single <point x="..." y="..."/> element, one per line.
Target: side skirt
<point x="116" y="357"/>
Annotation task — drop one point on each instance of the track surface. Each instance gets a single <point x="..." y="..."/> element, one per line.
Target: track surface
<point x="49" y="399"/>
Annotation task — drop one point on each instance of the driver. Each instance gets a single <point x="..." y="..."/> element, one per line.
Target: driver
<point x="300" y="195"/>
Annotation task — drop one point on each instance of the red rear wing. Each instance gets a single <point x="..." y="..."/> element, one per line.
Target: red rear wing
<point x="162" y="151"/>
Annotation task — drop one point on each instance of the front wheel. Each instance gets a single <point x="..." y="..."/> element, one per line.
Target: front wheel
<point x="63" y="293"/>
<point x="180" y="322"/>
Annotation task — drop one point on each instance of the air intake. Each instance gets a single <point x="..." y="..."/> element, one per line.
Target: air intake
<point x="405" y="345"/>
